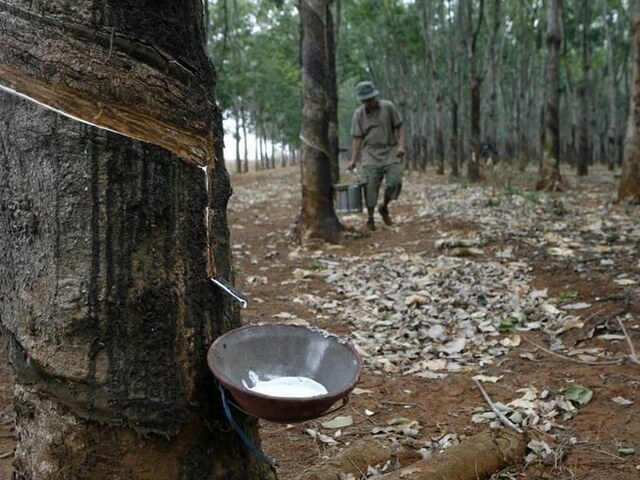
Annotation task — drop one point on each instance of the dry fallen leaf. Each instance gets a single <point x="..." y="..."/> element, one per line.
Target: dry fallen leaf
<point x="338" y="422"/>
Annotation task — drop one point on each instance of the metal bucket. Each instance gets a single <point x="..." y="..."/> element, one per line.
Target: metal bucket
<point x="349" y="197"/>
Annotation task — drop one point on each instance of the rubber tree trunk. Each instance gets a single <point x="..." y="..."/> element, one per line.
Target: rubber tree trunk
<point x="476" y="78"/>
<point x="317" y="217"/>
<point x="584" y="95"/>
<point x="611" y="148"/>
<point x="426" y="15"/>
<point x="332" y="91"/>
<point x="107" y="306"/>
<point x="549" y="175"/>
<point x="107" y="243"/>
<point x="629" y="187"/>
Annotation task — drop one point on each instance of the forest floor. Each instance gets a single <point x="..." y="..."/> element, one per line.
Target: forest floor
<point x="526" y="292"/>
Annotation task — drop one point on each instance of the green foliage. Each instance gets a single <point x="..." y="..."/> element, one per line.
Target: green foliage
<point x="567" y="295"/>
<point x="578" y="394"/>
<point x="254" y="47"/>
<point x="403" y="45"/>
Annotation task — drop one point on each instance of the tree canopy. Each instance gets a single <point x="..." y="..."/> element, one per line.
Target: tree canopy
<point x="425" y="55"/>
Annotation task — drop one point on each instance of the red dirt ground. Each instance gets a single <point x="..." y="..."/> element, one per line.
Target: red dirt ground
<point x="441" y="406"/>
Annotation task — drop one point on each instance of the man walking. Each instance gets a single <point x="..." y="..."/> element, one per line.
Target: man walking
<point x="378" y="136"/>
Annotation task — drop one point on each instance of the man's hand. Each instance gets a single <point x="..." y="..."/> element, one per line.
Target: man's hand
<point x="351" y="165"/>
<point x="400" y="152"/>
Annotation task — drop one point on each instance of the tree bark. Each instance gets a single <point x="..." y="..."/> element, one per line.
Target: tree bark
<point x="494" y="68"/>
<point x="629" y="186"/>
<point x="317" y="217"/>
<point x="584" y="93"/>
<point x="476" y="78"/>
<point x="426" y="14"/>
<point x="105" y="256"/>
<point x="332" y="91"/>
<point x="549" y="175"/>
<point x="611" y="147"/>
<point x="128" y="68"/>
<point x="107" y="305"/>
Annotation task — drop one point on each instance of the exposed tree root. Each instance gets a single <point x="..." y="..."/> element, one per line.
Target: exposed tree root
<point x="477" y="457"/>
<point x="355" y="460"/>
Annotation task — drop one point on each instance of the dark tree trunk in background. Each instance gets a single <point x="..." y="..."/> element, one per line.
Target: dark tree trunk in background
<point x="476" y="77"/>
<point x="455" y="155"/>
<point x="104" y="259"/>
<point x="332" y="91"/>
<point x="317" y="217"/>
<point x="244" y="141"/>
<point x="612" y="147"/>
<point x="584" y="95"/>
<point x="426" y="15"/>
<point x="236" y="138"/>
<point x="473" y="172"/>
<point x="629" y="187"/>
<point x="549" y="175"/>
<point x="494" y="73"/>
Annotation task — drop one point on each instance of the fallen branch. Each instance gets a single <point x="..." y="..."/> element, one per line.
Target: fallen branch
<point x="505" y="421"/>
<point x="475" y="458"/>
<point x="603" y="452"/>
<point x="610" y="298"/>
<point x="634" y="356"/>
<point x="575" y="360"/>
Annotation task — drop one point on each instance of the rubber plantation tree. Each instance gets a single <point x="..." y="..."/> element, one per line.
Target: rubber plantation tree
<point x="549" y="175"/>
<point x="629" y="186"/>
<point x="105" y="255"/>
<point x="317" y="217"/>
<point x="584" y="94"/>
<point x="477" y="75"/>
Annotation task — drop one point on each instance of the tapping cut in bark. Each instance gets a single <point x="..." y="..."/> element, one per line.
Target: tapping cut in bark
<point x="109" y="76"/>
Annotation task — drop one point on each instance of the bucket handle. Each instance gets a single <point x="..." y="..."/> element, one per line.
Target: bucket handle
<point x="345" y="400"/>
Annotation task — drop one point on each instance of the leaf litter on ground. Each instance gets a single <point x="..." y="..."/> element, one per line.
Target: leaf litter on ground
<point x="432" y="316"/>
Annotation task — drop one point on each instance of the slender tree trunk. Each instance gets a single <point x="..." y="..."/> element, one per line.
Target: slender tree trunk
<point x="206" y="22"/>
<point x="245" y="142"/>
<point x="427" y="13"/>
<point x="105" y="256"/>
<point x="629" y="187"/>
<point x="473" y="171"/>
<point x="332" y="91"/>
<point x="584" y="147"/>
<point x="236" y="137"/>
<point x="317" y="216"/>
<point x="476" y="78"/>
<point x="494" y="65"/>
<point x="611" y="146"/>
<point x="455" y="156"/>
<point x="549" y="175"/>
<point x="460" y="74"/>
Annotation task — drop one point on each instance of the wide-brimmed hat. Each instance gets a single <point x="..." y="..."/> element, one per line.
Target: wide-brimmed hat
<point x="365" y="91"/>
